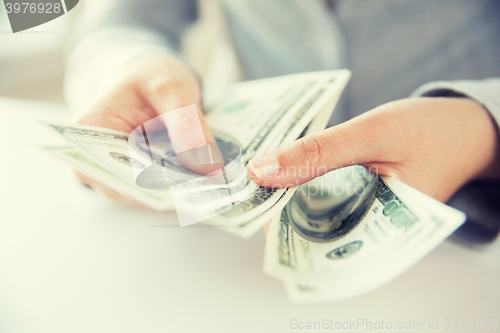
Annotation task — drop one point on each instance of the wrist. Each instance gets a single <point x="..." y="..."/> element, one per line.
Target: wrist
<point x="485" y="155"/>
<point x="162" y="74"/>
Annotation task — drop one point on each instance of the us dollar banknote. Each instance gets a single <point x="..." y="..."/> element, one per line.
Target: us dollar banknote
<point x="338" y="236"/>
<point x="349" y="232"/>
<point x="258" y="115"/>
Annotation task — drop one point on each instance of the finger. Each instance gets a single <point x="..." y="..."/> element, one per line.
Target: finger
<point x="189" y="133"/>
<point x="122" y="110"/>
<point x="347" y="144"/>
<point x="108" y="193"/>
<point x="104" y="190"/>
<point x="266" y="228"/>
<point x="192" y="140"/>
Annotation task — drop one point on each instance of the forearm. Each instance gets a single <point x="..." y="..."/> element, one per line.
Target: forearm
<point x="484" y="158"/>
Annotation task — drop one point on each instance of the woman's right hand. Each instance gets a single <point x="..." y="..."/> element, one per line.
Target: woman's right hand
<point x="152" y="86"/>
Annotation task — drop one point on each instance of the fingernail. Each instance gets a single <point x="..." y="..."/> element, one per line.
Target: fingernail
<point x="206" y="156"/>
<point x="264" y="166"/>
<point x="216" y="156"/>
<point x="202" y="155"/>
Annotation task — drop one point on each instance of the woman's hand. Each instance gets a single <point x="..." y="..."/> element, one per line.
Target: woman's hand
<point x="435" y="145"/>
<point x="154" y="85"/>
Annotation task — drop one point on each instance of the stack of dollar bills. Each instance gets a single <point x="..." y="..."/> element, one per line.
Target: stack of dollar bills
<point x="338" y="236"/>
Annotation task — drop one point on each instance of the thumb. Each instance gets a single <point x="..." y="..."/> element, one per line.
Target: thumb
<point x="178" y="104"/>
<point x="314" y="155"/>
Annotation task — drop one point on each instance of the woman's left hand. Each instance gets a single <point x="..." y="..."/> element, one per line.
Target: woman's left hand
<point x="435" y="145"/>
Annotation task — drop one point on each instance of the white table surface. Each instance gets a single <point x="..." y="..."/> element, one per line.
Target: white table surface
<point x="71" y="262"/>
